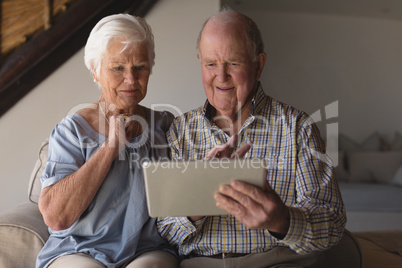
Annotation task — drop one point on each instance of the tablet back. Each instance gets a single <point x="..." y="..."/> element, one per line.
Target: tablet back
<point x="187" y="188"/>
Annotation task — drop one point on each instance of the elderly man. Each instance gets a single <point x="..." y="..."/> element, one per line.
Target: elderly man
<point x="300" y="212"/>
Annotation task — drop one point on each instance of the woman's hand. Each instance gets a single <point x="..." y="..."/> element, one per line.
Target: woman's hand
<point x="117" y="133"/>
<point x="63" y="203"/>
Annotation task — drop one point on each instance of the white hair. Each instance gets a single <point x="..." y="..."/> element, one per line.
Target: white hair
<point x="130" y="28"/>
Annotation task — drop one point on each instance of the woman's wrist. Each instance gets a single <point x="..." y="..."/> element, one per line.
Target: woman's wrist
<point x="111" y="149"/>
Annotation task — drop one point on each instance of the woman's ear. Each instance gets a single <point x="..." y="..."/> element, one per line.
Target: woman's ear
<point x="261" y="59"/>
<point x="94" y="76"/>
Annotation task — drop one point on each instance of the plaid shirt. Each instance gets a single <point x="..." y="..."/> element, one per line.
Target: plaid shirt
<point x="299" y="170"/>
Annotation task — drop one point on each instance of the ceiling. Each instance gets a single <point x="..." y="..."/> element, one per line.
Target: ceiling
<point x="382" y="9"/>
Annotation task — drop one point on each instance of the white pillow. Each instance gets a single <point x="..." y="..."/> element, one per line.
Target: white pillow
<point x="35" y="186"/>
<point x="374" y="166"/>
<point x="398" y="177"/>
<point x="371" y="143"/>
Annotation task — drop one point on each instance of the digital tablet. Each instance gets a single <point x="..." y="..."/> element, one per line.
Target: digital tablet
<point x="187" y="188"/>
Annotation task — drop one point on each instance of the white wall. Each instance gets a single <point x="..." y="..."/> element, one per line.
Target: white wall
<point x="175" y="80"/>
<point x="30" y="121"/>
<point x="315" y="60"/>
<point x="176" y="77"/>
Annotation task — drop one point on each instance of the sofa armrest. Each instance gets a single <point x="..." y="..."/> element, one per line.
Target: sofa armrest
<point x="346" y="254"/>
<point x="23" y="234"/>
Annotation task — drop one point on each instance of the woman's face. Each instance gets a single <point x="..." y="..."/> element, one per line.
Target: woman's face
<point x="124" y="75"/>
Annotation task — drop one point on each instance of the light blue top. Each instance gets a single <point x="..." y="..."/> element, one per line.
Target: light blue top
<point x="116" y="226"/>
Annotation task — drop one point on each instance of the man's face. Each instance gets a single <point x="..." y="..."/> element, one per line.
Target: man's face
<point x="229" y="73"/>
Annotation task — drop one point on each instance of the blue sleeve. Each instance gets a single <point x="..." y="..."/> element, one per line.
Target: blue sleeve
<point x="65" y="155"/>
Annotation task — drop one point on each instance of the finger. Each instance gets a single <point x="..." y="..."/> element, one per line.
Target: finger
<point x="129" y="123"/>
<point x="214" y="151"/>
<point x="241" y="152"/>
<point x="241" y="213"/>
<point x="117" y="118"/>
<point x="241" y="198"/>
<point x="233" y="141"/>
<point x="225" y="152"/>
<point x="221" y="151"/>
<point x="113" y="126"/>
<point x="230" y="205"/>
<point x="120" y="124"/>
<point x="251" y="191"/>
<point x="242" y="207"/>
<point x="117" y="128"/>
<point x="266" y="187"/>
<point x="112" y="135"/>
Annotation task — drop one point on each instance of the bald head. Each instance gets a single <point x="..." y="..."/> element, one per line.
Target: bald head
<point x="239" y="24"/>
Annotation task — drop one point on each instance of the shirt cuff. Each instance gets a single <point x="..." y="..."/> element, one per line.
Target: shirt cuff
<point x="186" y="225"/>
<point x="297" y="226"/>
<point x="198" y="223"/>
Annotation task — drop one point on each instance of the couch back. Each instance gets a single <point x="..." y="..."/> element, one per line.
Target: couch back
<point x="35" y="186"/>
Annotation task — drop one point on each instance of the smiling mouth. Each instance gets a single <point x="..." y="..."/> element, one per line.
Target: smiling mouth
<point x="224" y="88"/>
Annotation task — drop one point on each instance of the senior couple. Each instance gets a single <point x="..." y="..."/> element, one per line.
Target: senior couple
<point x="94" y="201"/>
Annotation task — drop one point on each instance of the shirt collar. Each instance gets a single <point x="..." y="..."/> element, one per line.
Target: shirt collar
<point x="258" y="101"/>
<point x="207" y="110"/>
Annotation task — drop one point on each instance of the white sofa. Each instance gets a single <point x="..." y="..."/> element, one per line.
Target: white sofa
<point x="370" y="179"/>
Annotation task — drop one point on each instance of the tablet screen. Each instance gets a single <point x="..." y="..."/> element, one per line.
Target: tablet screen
<point x="187" y="188"/>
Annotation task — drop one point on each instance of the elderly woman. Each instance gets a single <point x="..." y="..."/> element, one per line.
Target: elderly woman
<point x="93" y="197"/>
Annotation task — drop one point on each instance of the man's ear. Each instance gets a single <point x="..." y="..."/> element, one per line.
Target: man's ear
<point x="199" y="56"/>
<point x="261" y="59"/>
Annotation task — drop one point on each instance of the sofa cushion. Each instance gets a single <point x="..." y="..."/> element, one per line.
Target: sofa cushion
<point x="345" y="254"/>
<point x="371" y="143"/>
<point x="381" y="249"/>
<point x="35" y="186"/>
<point x="22" y="235"/>
<point x="396" y="145"/>
<point x="388" y="240"/>
<point x="342" y="174"/>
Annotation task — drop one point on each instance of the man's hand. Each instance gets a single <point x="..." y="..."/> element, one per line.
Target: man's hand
<point x="228" y="150"/>
<point x="255" y="208"/>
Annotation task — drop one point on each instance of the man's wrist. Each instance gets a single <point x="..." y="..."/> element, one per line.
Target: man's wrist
<point x="278" y="235"/>
<point x="195" y="218"/>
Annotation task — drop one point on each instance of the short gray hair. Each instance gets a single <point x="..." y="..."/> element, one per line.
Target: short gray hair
<point x="253" y="34"/>
<point x="131" y="28"/>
